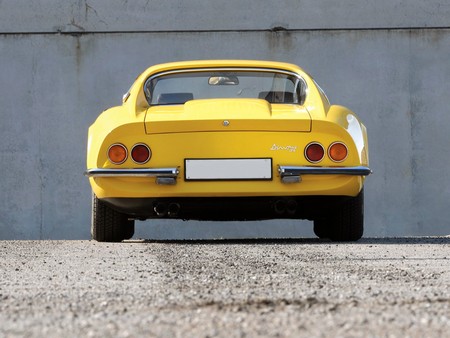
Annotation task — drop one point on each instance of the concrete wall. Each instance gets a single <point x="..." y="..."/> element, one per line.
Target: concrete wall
<point x="62" y="63"/>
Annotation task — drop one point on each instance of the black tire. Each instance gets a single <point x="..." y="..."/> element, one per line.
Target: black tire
<point x="128" y="230"/>
<point x="348" y="223"/>
<point x="109" y="225"/>
<point x="321" y="228"/>
<point x="345" y="222"/>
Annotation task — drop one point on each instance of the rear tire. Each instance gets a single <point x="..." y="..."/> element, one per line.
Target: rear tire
<point x="346" y="221"/>
<point x="128" y="230"/>
<point x="321" y="228"/>
<point x="109" y="225"/>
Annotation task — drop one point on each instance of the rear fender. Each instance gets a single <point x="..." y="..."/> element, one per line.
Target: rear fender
<point x="351" y="124"/>
<point x="113" y="125"/>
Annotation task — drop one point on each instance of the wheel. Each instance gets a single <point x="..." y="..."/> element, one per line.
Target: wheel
<point x="348" y="222"/>
<point x="321" y="228"/>
<point x="109" y="225"/>
<point x="345" y="222"/>
<point x="128" y="230"/>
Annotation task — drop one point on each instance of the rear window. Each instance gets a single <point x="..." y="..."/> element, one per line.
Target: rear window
<point x="181" y="86"/>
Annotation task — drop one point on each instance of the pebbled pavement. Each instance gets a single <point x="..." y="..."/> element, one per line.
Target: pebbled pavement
<point x="255" y="288"/>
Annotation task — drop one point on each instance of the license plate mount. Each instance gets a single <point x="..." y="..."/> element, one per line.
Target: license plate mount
<point x="229" y="169"/>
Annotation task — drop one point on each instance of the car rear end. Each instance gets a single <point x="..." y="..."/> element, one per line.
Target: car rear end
<point x="261" y="153"/>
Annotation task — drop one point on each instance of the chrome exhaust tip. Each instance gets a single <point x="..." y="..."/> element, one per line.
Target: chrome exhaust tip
<point x="173" y="209"/>
<point x="160" y="209"/>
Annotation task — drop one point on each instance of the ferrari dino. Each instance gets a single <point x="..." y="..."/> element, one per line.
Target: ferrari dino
<point x="227" y="140"/>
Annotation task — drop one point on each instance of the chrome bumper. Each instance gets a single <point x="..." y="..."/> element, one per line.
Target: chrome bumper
<point x="165" y="176"/>
<point x="292" y="174"/>
<point x="288" y="174"/>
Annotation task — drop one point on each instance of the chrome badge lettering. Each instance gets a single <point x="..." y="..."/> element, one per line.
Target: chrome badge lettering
<point x="291" y="149"/>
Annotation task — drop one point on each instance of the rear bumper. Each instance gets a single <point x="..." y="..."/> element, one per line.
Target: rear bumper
<point x="148" y="172"/>
<point x="292" y="174"/>
<point x="293" y="170"/>
<point x="171" y="182"/>
<point x="164" y="176"/>
<point x="284" y="171"/>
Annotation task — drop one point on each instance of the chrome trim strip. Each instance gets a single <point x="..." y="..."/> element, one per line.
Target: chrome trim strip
<point x="148" y="172"/>
<point x="295" y="171"/>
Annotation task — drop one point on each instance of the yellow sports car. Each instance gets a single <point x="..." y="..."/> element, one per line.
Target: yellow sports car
<point x="227" y="140"/>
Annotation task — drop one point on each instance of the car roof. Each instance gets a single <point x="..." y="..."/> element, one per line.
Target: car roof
<point x="221" y="63"/>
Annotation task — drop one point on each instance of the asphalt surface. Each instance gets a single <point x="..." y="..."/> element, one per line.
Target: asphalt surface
<point x="260" y="288"/>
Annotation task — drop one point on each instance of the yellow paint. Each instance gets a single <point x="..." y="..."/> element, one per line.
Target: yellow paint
<point x="242" y="114"/>
<point x="256" y="129"/>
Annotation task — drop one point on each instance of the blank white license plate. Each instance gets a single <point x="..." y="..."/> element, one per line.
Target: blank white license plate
<point x="228" y="169"/>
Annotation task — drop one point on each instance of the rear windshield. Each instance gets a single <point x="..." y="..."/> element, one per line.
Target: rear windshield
<point x="182" y="86"/>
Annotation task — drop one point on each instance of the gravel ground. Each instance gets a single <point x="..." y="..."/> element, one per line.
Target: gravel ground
<point x="260" y="288"/>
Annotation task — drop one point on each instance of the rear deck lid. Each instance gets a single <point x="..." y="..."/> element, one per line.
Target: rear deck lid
<point x="227" y="115"/>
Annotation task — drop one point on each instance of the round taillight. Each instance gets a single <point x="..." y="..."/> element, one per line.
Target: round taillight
<point x="314" y="152"/>
<point x="141" y="153"/>
<point x="117" y="153"/>
<point x="337" y="152"/>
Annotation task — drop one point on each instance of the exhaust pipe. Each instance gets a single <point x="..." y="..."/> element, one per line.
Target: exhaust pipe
<point x="291" y="207"/>
<point x="173" y="210"/>
<point x="283" y="206"/>
<point x="280" y="207"/>
<point x="160" y="209"/>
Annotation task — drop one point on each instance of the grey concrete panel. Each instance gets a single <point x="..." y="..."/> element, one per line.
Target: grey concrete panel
<point x="200" y="15"/>
<point x="41" y="118"/>
<point x="54" y="86"/>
